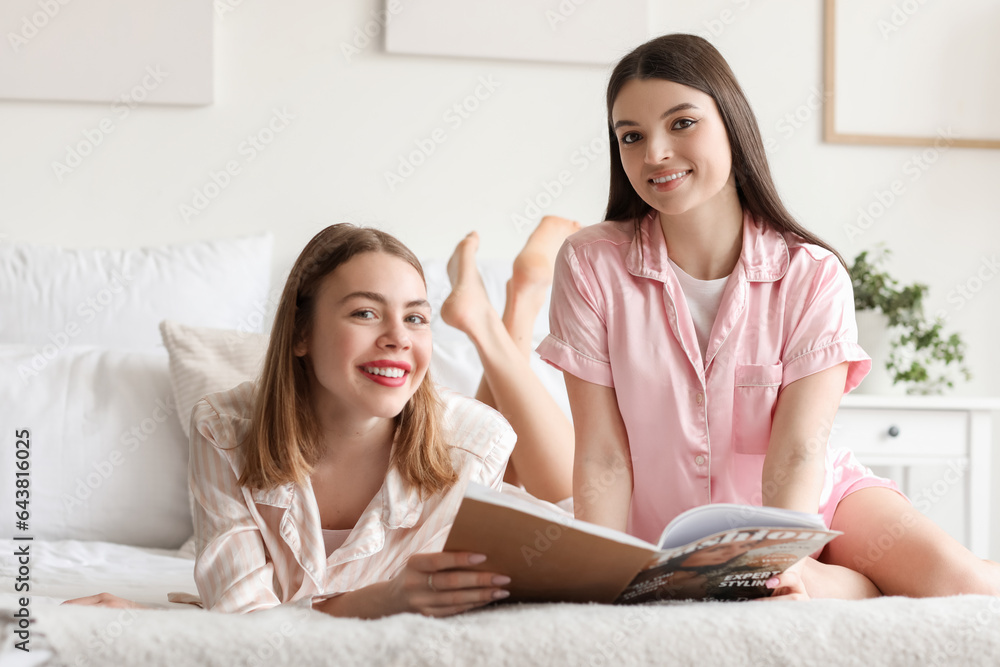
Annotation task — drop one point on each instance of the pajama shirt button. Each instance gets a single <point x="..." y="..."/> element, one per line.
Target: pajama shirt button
<point x="700" y="460"/>
<point x="699" y="398"/>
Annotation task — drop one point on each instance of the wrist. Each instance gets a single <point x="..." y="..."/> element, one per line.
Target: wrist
<point x="368" y="602"/>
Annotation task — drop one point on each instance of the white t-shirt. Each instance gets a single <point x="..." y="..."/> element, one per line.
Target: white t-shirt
<point x="703" y="299"/>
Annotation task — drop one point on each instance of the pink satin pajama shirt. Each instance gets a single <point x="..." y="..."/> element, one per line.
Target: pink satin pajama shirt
<point x="698" y="429"/>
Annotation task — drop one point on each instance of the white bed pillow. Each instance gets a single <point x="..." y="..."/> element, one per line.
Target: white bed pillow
<point x="53" y="297"/>
<point x="107" y="457"/>
<point x="82" y="364"/>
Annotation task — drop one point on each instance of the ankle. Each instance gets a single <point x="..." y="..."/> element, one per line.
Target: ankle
<point x="522" y="306"/>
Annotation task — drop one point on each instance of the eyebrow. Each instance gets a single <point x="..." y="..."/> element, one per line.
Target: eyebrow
<point x="378" y="298"/>
<point x="672" y="110"/>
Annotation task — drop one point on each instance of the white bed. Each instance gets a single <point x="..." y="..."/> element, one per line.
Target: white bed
<point x="889" y="631"/>
<point x="121" y="530"/>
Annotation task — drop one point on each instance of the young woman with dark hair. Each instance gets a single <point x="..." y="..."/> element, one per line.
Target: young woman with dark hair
<point x="706" y="338"/>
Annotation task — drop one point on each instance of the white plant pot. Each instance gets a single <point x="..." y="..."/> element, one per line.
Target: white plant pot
<point x="873" y="336"/>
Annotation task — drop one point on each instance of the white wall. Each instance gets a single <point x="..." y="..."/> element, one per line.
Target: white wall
<point x="354" y="118"/>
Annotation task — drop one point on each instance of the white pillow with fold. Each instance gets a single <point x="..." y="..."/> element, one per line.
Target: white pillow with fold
<point x="53" y="297"/>
<point x="205" y="360"/>
<point x="107" y="457"/>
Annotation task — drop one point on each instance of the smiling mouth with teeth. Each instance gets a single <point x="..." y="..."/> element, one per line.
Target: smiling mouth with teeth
<point x="671" y="177"/>
<point x="385" y="372"/>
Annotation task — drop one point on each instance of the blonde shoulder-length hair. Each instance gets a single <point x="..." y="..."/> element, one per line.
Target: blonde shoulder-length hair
<point x="283" y="443"/>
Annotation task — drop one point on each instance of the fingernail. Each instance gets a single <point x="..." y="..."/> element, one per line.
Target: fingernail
<point x="500" y="580"/>
<point x="476" y="559"/>
<point x="500" y="595"/>
<point x="772" y="582"/>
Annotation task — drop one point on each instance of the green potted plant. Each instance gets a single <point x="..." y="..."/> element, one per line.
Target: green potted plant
<point x="917" y="353"/>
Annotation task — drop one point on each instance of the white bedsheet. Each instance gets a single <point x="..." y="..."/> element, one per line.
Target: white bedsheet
<point x="60" y="570"/>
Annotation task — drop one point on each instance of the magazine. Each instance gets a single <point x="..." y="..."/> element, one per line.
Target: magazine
<point x="720" y="551"/>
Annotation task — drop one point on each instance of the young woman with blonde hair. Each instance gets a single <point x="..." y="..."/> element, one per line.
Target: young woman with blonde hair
<point x="332" y="480"/>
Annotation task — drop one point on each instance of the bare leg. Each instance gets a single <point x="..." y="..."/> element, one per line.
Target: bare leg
<point x="902" y="551"/>
<point x="543" y="458"/>
<point x="528" y="288"/>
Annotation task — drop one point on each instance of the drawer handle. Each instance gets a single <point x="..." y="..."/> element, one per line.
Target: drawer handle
<point x="893" y="431"/>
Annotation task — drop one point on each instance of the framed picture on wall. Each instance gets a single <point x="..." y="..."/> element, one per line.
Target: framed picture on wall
<point x="595" y="32"/>
<point x="912" y="73"/>
<point x="153" y="51"/>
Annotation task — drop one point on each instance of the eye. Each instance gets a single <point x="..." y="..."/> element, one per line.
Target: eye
<point x="365" y="314"/>
<point x="683" y="123"/>
<point x="417" y="318"/>
<point x="630" y="138"/>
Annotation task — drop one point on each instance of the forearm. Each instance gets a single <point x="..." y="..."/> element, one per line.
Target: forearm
<point x="602" y="490"/>
<point x="792" y="482"/>
<point x="795" y="465"/>
<point x="602" y="465"/>
<point x="368" y="602"/>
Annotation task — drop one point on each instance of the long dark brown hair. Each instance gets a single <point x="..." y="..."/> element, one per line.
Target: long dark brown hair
<point x="692" y="61"/>
<point x="283" y="444"/>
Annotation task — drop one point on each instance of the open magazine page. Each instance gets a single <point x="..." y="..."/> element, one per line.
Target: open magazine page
<point x="731" y="565"/>
<point x="715" y="518"/>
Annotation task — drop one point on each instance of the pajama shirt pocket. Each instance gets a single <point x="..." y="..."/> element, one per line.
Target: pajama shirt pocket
<point x="755" y="393"/>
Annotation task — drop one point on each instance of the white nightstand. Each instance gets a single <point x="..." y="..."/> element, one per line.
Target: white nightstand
<point x="900" y="433"/>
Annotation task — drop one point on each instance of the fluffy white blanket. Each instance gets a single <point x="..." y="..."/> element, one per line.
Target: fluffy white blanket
<point x="889" y="631"/>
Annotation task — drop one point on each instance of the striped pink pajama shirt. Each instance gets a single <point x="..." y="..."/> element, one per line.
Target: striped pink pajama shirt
<point x="259" y="549"/>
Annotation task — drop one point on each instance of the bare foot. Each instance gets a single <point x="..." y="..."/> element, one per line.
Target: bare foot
<point x="533" y="265"/>
<point x="825" y="580"/>
<point x="468" y="304"/>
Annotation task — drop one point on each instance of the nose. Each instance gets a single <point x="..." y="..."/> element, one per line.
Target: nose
<point x="395" y="336"/>
<point x="658" y="149"/>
